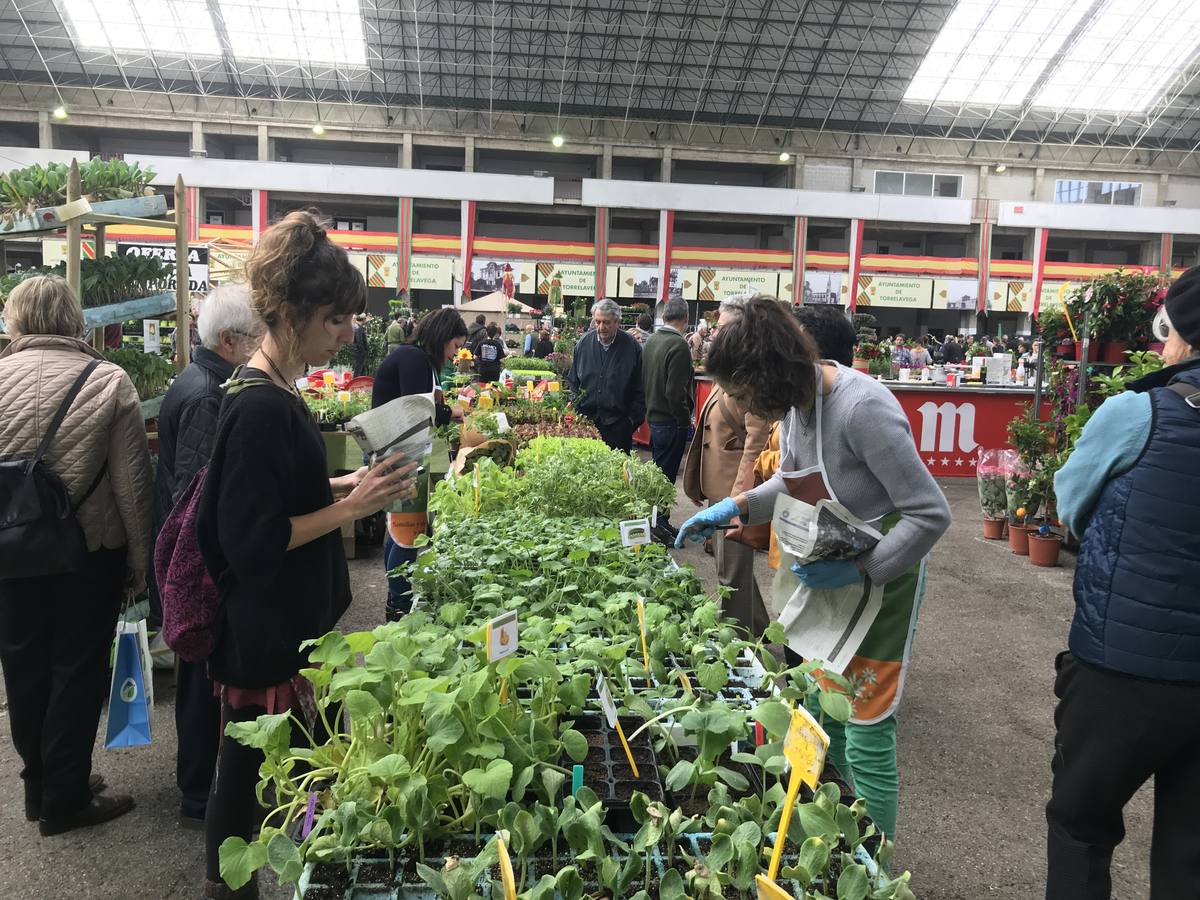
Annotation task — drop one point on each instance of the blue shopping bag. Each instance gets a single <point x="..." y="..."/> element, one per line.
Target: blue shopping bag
<point x="128" y="703"/>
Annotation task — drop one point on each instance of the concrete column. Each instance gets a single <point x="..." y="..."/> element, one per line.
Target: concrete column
<point x="856" y="172"/>
<point x="982" y="190"/>
<point x="798" y="173"/>
<point x="1039" y="177"/>
<point x="45" y="131"/>
<point x="1164" y="181"/>
<point x="198" y="148"/>
<point x="469" y="154"/>
<point x="264" y="144"/>
<point x="406" y="151"/>
<point x="665" y="172"/>
<point x="606" y="161"/>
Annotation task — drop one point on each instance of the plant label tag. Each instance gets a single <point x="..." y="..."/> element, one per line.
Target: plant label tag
<point x="506" y="871"/>
<point x="654" y="517"/>
<point x="805" y="746"/>
<point x="502" y="636"/>
<point x="628" y="476"/>
<point x="635" y="532"/>
<point x="769" y="890"/>
<point x="151" y="340"/>
<point x="606" y="702"/>
<point x="553" y="387"/>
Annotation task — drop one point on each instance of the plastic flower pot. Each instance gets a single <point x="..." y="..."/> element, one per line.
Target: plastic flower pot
<point x="862" y="365"/>
<point x="993" y="529"/>
<point x="1043" y="549"/>
<point x="1018" y="538"/>
<point x="1114" y="351"/>
<point x="1157" y="346"/>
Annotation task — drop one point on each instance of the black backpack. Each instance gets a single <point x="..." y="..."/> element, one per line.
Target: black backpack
<point x="39" y="534"/>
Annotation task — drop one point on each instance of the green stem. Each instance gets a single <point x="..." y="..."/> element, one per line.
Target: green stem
<point x="671" y="712"/>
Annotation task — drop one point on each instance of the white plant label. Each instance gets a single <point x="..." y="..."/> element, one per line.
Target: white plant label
<point x="502" y="636"/>
<point x="606" y="701"/>
<point x="634" y="532"/>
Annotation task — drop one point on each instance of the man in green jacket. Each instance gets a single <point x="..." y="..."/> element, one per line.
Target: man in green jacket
<point x="667" y="383"/>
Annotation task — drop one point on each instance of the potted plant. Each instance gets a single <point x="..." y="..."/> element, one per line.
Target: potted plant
<point x="1055" y="331"/>
<point x="993" y="497"/>
<point x="1118" y="307"/>
<point x="1044" y="546"/>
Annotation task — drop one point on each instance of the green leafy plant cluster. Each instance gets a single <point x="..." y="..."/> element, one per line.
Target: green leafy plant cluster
<point x="105" y="281"/>
<point x="376" y="329"/>
<point x="327" y="409"/>
<point x="560" y="476"/>
<point x="415" y="745"/>
<point x="149" y="372"/>
<point x="527" y="364"/>
<point x="24" y="190"/>
<point x="1118" y="306"/>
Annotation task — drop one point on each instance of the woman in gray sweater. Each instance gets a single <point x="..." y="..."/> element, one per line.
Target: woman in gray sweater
<point x="844" y="437"/>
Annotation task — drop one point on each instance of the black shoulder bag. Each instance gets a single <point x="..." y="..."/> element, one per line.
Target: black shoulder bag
<point x="39" y="534"/>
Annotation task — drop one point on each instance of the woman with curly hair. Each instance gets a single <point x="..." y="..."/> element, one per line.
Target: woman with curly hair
<point x="844" y="437"/>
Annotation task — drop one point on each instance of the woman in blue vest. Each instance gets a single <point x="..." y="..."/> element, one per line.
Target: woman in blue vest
<point x="1129" y="684"/>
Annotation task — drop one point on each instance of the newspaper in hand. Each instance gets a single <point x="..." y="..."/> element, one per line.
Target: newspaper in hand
<point x="404" y="426"/>
<point x="825" y="531"/>
<point x="823" y="623"/>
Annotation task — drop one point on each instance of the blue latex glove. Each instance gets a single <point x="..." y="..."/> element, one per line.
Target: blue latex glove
<point x="703" y="523"/>
<point x="828" y="573"/>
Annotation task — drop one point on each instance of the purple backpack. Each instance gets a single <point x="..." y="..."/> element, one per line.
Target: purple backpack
<point x="190" y="598"/>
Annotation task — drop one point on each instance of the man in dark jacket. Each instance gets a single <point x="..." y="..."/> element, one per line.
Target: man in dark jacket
<point x="488" y="355"/>
<point x="606" y="377"/>
<point x="361" y="347"/>
<point x="667" y="383"/>
<point x="1129" y="682"/>
<point x="953" y="350"/>
<point x="187" y="426"/>
<point x="477" y="332"/>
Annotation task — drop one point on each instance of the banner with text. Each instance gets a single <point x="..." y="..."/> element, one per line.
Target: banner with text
<point x="556" y="280"/>
<point x="197" y="262"/>
<point x="894" y="291"/>
<point x="718" y="284"/>
<point x="1017" y="297"/>
<point x="435" y="273"/>
<point x="1054" y="293"/>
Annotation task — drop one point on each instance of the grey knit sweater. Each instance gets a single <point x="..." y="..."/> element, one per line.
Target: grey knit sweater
<point x="873" y="469"/>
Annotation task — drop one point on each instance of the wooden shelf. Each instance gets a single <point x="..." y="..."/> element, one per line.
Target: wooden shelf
<point x="148" y="210"/>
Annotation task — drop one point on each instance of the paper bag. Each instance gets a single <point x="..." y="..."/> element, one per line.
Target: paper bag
<point x="129" y="696"/>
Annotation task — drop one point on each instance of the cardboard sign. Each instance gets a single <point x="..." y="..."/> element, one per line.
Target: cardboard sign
<point x="197" y="262"/>
<point x="502" y="636"/>
<point x="805" y="746"/>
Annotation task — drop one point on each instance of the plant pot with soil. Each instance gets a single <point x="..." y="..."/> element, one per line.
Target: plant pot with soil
<point x="1114" y="351"/>
<point x="1018" y="538"/>
<point x="1044" y="548"/>
<point x="993" y="529"/>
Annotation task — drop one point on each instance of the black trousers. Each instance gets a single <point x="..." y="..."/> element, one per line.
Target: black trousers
<point x="55" y="635"/>
<point x="1114" y="732"/>
<point x="198" y="727"/>
<point x="618" y="434"/>
<point x="233" y="809"/>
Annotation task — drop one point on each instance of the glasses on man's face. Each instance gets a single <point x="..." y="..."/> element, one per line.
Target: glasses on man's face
<point x="1161" y="326"/>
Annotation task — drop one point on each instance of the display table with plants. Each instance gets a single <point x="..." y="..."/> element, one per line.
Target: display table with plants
<point x="423" y="754"/>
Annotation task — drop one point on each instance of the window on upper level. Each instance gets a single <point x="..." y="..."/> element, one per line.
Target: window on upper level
<point x="918" y="184"/>
<point x="1107" y="193"/>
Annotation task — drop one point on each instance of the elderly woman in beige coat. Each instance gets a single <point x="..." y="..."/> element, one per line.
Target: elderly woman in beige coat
<point x="56" y="630"/>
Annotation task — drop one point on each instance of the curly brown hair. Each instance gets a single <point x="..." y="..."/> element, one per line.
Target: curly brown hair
<point x="295" y="270"/>
<point x="764" y="358"/>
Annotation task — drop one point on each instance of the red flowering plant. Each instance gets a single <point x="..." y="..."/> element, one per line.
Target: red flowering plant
<point x="1118" y="306"/>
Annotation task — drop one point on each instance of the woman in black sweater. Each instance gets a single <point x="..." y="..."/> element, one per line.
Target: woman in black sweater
<point x="413" y="369"/>
<point x="270" y="517"/>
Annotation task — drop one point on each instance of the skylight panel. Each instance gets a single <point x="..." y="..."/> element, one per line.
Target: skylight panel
<point x="142" y="26"/>
<point x="991" y="52"/>
<point x="307" y="31"/>
<point x="1125" y="58"/>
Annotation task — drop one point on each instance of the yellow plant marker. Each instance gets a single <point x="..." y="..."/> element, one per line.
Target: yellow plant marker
<point x="769" y="890"/>
<point x="686" y="682"/>
<point x="805" y="747"/>
<point x="476" y="485"/>
<point x="641" y="613"/>
<point x="506" y="871"/>
<point x="610" y="714"/>
<point x="485" y="401"/>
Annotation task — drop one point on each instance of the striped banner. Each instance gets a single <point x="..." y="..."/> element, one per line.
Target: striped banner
<point x="375" y="266"/>
<point x="861" y="296"/>
<point x="856" y="241"/>
<point x="985" y="258"/>
<point x="705" y="279"/>
<point x="89" y="249"/>
<point x="1040" y="237"/>
<point x="601" y="251"/>
<point x="193" y="214"/>
<point x="1017" y="295"/>
<point x="404" y="208"/>
<point x="799" y="246"/>
<point x="1168" y="251"/>
<point x="544" y="271"/>
<point x="258" y="214"/>
<point x="666" y="237"/>
<point x="468" y="248"/>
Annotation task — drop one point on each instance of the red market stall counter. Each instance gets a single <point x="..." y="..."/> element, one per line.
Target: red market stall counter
<point x="950" y="425"/>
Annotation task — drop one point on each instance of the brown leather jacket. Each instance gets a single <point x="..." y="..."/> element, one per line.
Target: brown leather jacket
<point x="104" y="424"/>
<point x="720" y="460"/>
